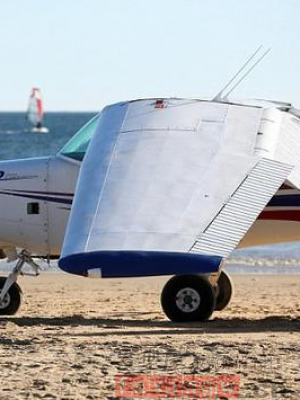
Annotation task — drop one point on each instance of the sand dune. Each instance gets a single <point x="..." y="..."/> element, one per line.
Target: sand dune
<point x="74" y="335"/>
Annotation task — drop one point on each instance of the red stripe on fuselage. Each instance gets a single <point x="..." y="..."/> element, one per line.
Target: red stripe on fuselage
<point x="282" y="215"/>
<point x="286" y="187"/>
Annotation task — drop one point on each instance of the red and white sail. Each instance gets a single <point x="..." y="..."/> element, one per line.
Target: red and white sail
<point x="35" y="107"/>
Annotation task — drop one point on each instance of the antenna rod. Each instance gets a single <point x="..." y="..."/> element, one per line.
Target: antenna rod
<point x="248" y="72"/>
<point x="219" y="95"/>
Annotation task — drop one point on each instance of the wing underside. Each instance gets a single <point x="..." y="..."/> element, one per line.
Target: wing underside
<point x="161" y="182"/>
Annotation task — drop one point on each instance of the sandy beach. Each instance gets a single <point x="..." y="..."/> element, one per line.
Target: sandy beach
<point x="73" y="335"/>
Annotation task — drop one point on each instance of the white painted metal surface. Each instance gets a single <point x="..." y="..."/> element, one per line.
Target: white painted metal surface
<point x="242" y="208"/>
<point x="268" y="133"/>
<point x="19" y="178"/>
<point x="49" y="184"/>
<point x="61" y="182"/>
<point x="288" y="147"/>
<point x="154" y="177"/>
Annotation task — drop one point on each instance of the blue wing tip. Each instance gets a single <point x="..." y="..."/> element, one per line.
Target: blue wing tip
<point x="139" y="263"/>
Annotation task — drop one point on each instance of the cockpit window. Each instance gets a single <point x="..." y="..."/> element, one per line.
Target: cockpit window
<point x="77" y="146"/>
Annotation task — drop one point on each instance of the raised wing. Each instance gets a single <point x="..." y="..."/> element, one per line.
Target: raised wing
<point x="169" y="186"/>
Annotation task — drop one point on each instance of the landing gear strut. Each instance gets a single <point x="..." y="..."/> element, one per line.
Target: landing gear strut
<point x="10" y="292"/>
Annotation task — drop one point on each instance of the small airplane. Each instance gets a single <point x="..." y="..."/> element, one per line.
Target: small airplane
<point x="163" y="186"/>
<point x="35" y="113"/>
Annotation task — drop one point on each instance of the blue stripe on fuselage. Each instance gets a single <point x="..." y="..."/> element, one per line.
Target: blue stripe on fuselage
<point x="39" y="197"/>
<point x="288" y="200"/>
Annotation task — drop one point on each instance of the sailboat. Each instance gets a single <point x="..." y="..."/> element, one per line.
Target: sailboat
<point x="35" y="112"/>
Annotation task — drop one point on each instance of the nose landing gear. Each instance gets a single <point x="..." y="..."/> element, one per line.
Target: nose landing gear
<point x="11" y="300"/>
<point x="10" y="291"/>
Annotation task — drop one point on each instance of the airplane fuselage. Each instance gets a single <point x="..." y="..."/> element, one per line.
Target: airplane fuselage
<point x="36" y="197"/>
<point x="167" y="187"/>
<point x="35" y="202"/>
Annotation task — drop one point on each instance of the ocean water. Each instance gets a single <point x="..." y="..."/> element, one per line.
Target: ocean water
<point x="17" y="141"/>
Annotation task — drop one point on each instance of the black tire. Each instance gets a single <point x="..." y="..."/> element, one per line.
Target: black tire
<point x="12" y="300"/>
<point x="224" y="290"/>
<point x="188" y="298"/>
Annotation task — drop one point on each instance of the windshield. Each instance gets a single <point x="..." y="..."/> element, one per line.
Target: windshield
<point x="77" y="146"/>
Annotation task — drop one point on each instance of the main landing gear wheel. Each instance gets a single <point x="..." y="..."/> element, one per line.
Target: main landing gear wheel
<point x="224" y="291"/>
<point x="12" y="300"/>
<point x="188" y="298"/>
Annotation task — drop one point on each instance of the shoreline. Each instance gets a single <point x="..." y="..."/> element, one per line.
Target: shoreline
<point x="248" y="266"/>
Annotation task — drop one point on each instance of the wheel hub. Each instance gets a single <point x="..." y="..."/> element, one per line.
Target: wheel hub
<point x="5" y="303"/>
<point x="188" y="300"/>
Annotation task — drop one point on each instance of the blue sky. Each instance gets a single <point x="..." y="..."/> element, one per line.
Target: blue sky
<point x="85" y="54"/>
